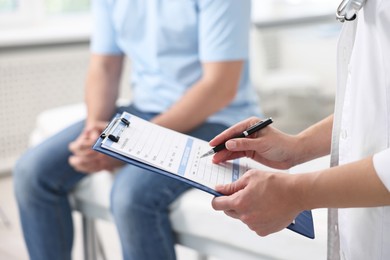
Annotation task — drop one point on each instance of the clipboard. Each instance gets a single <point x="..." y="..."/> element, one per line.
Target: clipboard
<point x="121" y="124"/>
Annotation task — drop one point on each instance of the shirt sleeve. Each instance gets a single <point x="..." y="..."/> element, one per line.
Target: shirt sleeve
<point x="382" y="159"/>
<point x="224" y="29"/>
<point x="382" y="166"/>
<point x="103" y="40"/>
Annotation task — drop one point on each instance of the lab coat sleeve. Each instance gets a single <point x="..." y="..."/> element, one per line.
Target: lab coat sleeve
<point x="382" y="166"/>
<point x="382" y="159"/>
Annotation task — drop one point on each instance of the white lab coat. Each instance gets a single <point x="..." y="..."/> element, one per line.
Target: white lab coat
<point x="362" y="124"/>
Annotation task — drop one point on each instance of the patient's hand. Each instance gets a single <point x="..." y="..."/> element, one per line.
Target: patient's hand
<point x="84" y="158"/>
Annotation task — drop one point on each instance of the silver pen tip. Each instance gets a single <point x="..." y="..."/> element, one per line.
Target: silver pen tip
<point x="208" y="153"/>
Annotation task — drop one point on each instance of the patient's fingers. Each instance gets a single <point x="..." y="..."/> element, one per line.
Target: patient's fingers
<point x="82" y="145"/>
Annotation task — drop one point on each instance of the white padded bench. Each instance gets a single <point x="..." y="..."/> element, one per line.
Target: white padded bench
<point x="195" y="223"/>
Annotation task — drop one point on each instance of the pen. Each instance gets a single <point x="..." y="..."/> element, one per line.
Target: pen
<point x="252" y="129"/>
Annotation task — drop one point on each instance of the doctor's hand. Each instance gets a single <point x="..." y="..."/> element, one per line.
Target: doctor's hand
<point x="266" y="202"/>
<point x="84" y="158"/>
<point x="268" y="146"/>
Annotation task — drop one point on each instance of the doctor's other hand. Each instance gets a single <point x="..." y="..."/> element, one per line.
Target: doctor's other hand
<point x="84" y="158"/>
<point x="268" y="146"/>
<point x="266" y="202"/>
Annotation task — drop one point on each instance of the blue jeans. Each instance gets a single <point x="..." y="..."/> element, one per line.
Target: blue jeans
<point x="139" y="200"/>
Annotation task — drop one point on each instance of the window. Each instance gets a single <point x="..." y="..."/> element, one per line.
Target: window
<point x="22" y="13"/>
<point x="25" y="22"/>
<point x="66" y="6"/>
<point x="7" y="6"/>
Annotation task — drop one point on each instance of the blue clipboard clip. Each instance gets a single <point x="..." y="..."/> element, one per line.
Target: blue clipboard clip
<point x="115" y="128"/>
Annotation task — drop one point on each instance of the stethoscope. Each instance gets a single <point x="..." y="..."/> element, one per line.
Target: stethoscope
<point x="348" y="10"/>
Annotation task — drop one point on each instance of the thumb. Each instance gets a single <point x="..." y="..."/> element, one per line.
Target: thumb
<point x="233" y="187"/>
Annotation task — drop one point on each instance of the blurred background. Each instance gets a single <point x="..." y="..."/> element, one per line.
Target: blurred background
<point x="44" y="52"/>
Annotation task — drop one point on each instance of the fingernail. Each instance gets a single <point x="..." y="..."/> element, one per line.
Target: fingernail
<point x="231" y="144"/>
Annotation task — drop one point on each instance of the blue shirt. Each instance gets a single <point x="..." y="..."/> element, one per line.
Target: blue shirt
<point x="167" y="40"/>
